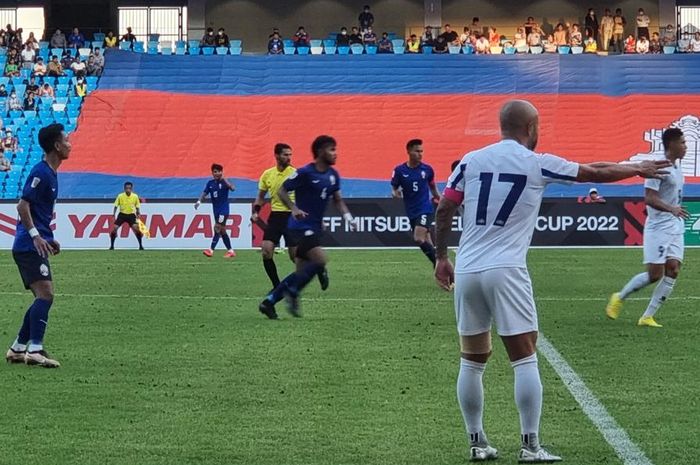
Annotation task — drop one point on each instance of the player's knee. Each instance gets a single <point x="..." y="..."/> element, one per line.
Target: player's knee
<point x="673" y="270"/>
<point x="268" y="251"/>
<point x="656" y="274"/>
<point x="478" y="358"/>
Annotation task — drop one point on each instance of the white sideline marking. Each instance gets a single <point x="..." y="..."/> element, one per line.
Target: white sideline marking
<point x="614" y="434"/>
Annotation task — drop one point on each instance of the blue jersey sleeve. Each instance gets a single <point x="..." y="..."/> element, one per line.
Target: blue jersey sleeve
<point x="431" y="176"/>
<point x="294" y="181"/>
<point x="337" y="181"/>
<point x="35" y="186"/>
<point x="395" y="181"/>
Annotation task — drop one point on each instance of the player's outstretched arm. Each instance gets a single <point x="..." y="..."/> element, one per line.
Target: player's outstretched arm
<point x="25" y="216"/>
<point x="653" y="199"/>
<point x="444" y="271"/>
<point x="611" y="172"/>
<point x="344" y="210"/>
<point x="200" y="200"/>
<point x="230" y="185"/>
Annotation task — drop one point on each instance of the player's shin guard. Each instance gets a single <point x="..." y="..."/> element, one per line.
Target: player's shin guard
<point x="227" y="240"/>
<point x="271" y="270"/>
<point x="429" y="251"/>
<point x="214" y="241"/>
<point x="635" y="284"/>
<point x="470" y="394"/>
<point x="661" y="293"/>
<point x="23" y="335"/>
<point x="528" y="398"/>
<point x="38" y="320"/>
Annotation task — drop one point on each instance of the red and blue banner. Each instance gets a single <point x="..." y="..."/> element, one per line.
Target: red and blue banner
<point x="161" y="121"/>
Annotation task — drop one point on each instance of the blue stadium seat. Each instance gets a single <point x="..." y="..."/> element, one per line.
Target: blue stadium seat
<point x="26" y="73"/>
<point x="4" y="80"/>
<point x="180" y="44"/>
<point x="357" y="49"/>
<point x="193" y="43"/>
<point x="329" y="43"/>
<point x="236" y="50"/>
<point x="57" y="51"/>
<point x="316" y="43"/>
<point x="468" y="49"/>
<point x="14" y="114"/>
<point x="99" y="36"/>
<point x="43" y="45"/>
<point x="72" y="112"/>
<point x="343" y="50"/>
<point x="509" y="50"/>
<point x="317" y="50"/>
<point x="91" y="81"/>
<point x="288" y="42"/>
<point x="289" y="50"/>
<point x="536" y="50"/>
<point x="399" y="50"/>
<point x="235" y="43"/>
<point x="207" y="50"/>
<point x="124" y="45"/>
<point x="427" y="50"/>
<point x="152" y="49"/>
<point x="194" y="50"/>
<point x="564" y="49"/>
<point x="3" y="51"/>
<point x="454" y="49"/>
<point x="330" y="50"/>
<point x="166" y="51"/>
<point x="398" y="43"/>
<point x="577" y="50"/>
<point x="669" y="49"/>
<point x="303" y="50"/>
<point x="96" y="44"/>
<point x="180" y="50"/>
<point x="17" y="81"/>
<point x="61" y="90"/>
<point x="63" y="80"/>
<point x="222" y="50"/>
<point x="139" y="47"/>
<point x="371" y="49"/>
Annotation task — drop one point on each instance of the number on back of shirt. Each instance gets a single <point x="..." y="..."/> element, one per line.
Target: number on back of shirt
<point x="518" y="181"/>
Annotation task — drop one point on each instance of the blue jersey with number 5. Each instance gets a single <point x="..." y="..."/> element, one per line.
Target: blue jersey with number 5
<point x="312" y="189"/>
<point x="501" y="188"/>
<point x="218" y="192"/>
<point x="415" y="186"/>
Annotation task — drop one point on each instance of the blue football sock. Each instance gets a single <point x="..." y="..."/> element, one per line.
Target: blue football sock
<point x="214" y="241"/>
<point x="305" y="276"/>
<point x="227" y="241"/>
<point x="38" y="320"/>
<point x="23" y="335"/>
<point x="277" y="293"/>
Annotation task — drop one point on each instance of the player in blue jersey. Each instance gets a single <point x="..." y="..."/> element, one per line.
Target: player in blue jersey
<point x="218" y="189"/>
<point x="33" y="244"/>
<point x="313" y="185"/>
<point x="414" y="181"/>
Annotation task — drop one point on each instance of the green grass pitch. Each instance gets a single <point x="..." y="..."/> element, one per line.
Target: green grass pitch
<point x="166" y="360"/>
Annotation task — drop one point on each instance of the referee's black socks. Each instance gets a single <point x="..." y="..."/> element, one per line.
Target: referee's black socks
<point x="271" y="270"/>
<point x="429" y="251"/>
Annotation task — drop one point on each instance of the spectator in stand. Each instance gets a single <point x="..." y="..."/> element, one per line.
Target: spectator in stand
<point x="549" y="45"/>
<point x="451" y="37"/>
<point x="129" y="37"/>
<point x="427" y="37"/>
<point x="413" y="44"/>
<point x="3" y="38"/>
<point x="483" y="46"/>
<point x="5" y="164"/>
<point x="619" y="30"/>
<point x="694" y="45"/>
<point x="475" y="26"/>
<point x="594" y="197"/>
<point x="3" y="91"/>
<point x="529" y="25"/>
<point x="208" y="39"/>
<point x="99" y="61"/>
<point x="55" y="68"/>
<point x="275" y="46"/>
<point x="31" y="40"/>
<point x="642" y="45"/>
<point x="684" y="43"/>
<point x="301" y="38"/>
<point x="342" y="39"/>
<point x="67" y="59"/>
<point x="560" y="35"/>
<point x="669" y="37"/>
<point x="591" y="24"/>
<point x="630" y="44"/>
<point x="79" y="67"/>
<point x="58" y="39"/>
<point x="32" y="87"/>
<point x="534" y="39"/>
<point x="76" y="39"/>
<point x="575" y="36"/>
<point x="111" y="41"/>
<point x="385" y="45"/>
<point x="28" y="55"/>
<point x="222" y="39"/>
<point x="9" y="142"/>
<point x="494" y="37"/>
<point x="440" y="45"/>
<point x="607" y="24"/>
<point x="92" y="69"/>
<point x="46" y="91"/>
<point x="520" y="38"/>
<point x="12" y="68"/>
<point x="17" y="41"/>
<point x="642" y="23"/>
<point x="655" y="43"/>
<point x="464" y="36"/>
<point x="275" y="30"/>
<point x="355" y="37"/>
<point x="590" y="44"/>
<point x="29" y="103"/>
<point x="13" y="102"/>
<point x="369" y="37"/>
<point x="80" y="87"/>
<point x="39" y="67"/>
<point x="366" y="19"/>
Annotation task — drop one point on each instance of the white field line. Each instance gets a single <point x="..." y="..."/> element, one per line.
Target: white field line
<point x="614" y="434"/>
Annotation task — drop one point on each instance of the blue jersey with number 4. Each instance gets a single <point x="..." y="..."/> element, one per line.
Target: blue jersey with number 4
<point x="312" y="189"/>
<point x="41" y="191"/>
<point x="218" y="191"/>
<point x="415" y="185"/>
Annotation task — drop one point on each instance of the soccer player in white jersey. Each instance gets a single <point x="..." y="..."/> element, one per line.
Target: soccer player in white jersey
<point x="501" y="188"/>
<point x="663" y="233"/>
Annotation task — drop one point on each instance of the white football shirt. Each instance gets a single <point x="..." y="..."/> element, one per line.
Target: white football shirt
<point x="670" y="189"/>
<point x="501" y="188"/>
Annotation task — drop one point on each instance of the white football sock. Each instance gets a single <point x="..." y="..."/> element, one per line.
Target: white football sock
<point x="528" y="397"/>
<point x="17" y="347"/>
<point x="470" y="393"/>
<point x="638" y="282"/>
<point x="661" y="293"/>
<point x="35" y="347"/>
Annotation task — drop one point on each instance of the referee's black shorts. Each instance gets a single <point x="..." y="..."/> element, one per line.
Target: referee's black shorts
<point x="124" y="218"/>
<point x="32" y="267"/>
<point x="277" y="228"/>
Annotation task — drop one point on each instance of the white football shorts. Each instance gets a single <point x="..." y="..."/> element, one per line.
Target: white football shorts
<point x="660" y="246"/>
<point x="503" y="295"/>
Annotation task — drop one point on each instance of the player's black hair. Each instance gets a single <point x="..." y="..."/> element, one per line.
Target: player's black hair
<point x="280" y="147"/>
<point x="454" y="165"/>
<point x="412" y="143"/>
<point x="128" y="183"/>
<point x="321" y="143"/>
<point x="217" y="167"/>
<point x="49" y="135"/>
<point x="671" y="135"/>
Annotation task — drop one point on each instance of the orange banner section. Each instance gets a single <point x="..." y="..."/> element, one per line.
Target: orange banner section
<point x="159" y="134"/>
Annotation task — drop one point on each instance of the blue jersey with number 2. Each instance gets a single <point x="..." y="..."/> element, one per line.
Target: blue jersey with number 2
<point x="312" y="189"/>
